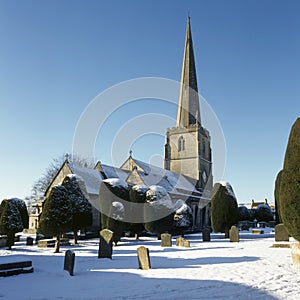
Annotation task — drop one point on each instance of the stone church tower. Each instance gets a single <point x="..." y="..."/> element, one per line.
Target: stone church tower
<point x="187" y="149"/>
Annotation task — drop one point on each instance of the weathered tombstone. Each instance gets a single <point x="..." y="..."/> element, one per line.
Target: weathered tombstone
<point x="206" y="235"/>
<point x="281" y="235"/>
<point x="143" y="258"/>
<point x="105" y="244"/>
<point x="69" y="262"/>
<point x="186" y="244"/>
<point x="29" y="241"/>
<point x="179" y="241"/>
<point x="166" y="240"/>
<point x="234" y="234"/>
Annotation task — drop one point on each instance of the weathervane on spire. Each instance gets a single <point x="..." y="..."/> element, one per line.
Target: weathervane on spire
<point x="130" y="153"/>
<point x="67" y="157"/>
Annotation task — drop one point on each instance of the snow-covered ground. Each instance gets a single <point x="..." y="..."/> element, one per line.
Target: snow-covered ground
<point x="250" y="269"/>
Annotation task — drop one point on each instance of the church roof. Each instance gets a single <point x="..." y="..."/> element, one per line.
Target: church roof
<point x="92" y="178"/>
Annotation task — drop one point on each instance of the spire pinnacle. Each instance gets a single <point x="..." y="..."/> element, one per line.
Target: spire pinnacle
<point x="188" y="107"/>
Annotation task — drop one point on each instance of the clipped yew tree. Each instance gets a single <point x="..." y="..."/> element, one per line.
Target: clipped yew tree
<point x="276" y="197"/>
<point x="183" y="217"/>
<point x="10" y="221"/>
<point x="224" y="208"/>
<point x="289" y="193"/>
<point x="137" y="196"/>
<point x="114" y="199"/>
<point x="56" y="217"/>
<point x="81" y="207"/>
<point x="158" y="210"/>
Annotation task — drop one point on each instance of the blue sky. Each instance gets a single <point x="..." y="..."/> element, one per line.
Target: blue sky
<point x="56" y="56"/>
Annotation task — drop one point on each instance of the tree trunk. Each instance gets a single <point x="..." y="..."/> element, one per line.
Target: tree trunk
<point x="57" y="244"/>
<point x="10" y="240"/>
<point x="75" y="237"/>
<point x="226" y="233"/>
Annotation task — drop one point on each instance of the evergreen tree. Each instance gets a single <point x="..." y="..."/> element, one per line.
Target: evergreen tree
<point x="289" y="192"/>
<point x="115" y="221"/>
<point x="81" y="207"/>
<point x="158" y="211"/>
<point x="137" y="196"/>
<point x="276" y="196"/>
<point x="57" y="214"/>
<point x="21" y="205"/>
<point x="10" y="221"/>
<point x="183" y="217"/>
<point x="114" y="196"/>
<point x="224" y="208"/>
<point x="263" y="213"/>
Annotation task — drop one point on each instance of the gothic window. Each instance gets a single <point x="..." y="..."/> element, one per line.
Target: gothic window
<point x="181" y="144"/>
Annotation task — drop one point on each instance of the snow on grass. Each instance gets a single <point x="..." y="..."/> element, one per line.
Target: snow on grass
<point x="250" y="269"/>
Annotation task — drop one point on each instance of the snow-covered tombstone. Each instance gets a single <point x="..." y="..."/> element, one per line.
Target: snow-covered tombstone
<point x="10" y="221"/>
<point x="224" y="208"/>
<point x="158" y="210"/>
<point x="137" y="197"/>
<point x="57" y="214"/>
<point x="183" y="217"/>
<point x="114" y="192"/>
<point x="81" y="207"/>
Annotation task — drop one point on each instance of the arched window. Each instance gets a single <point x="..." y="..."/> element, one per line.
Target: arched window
<point x="181" y="144"/>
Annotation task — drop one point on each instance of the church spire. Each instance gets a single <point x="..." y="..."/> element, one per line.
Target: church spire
<point x="188" y="107"/>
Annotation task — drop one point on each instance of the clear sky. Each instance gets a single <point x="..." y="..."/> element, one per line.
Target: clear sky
<point x="56" y="56"/>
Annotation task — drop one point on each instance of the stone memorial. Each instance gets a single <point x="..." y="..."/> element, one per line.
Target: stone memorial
<point x="234" y="234"/>
<point x="69" y="262"/>
<point x="105" y="244"/>
<point x="143" y="258"/>
<point x="29" y="241"/>
<point x="206" y="235"/>
<point x="181" y="242"/>
<point x="166" y="240"/>
<point x="281" y="235"/>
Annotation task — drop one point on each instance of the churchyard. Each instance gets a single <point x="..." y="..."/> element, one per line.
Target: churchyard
<point x="251" y="268"/>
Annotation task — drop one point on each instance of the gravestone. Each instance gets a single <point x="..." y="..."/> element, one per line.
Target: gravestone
<point x="29" y="241"/>
<point x="143" y="258"/>
<point x="69" y="262"/>
<point x="181" y="242"/>
<point x="186" y="244"/>
<point x="281" y="235"/>
<point x="234" y="234"/>
<point x="105" y="244"/>
<point x="206" y="235"/>
<point x="166" y="240"/>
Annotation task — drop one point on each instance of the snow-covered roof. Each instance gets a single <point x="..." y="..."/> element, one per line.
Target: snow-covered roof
<point x="113" y="172"/>
<point x="171" y="181"/>
<point x="92" y="178"/>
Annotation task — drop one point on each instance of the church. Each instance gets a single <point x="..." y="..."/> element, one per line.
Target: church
<point x="187" y="172"/>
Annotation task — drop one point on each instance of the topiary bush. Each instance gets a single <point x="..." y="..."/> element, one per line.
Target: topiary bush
<point x="137" y="196"/>
<point x="289" y="193"/>
<point x="159" y="210"/>
<point x="263" y="213"/>
<point x="56" y="217"/>
<point x="244" y="214"/>
<point x="224" y="208"/>
<point x="276" y="197"/>
<point x="10" y="221"/>
<point x="81" y="207"/>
